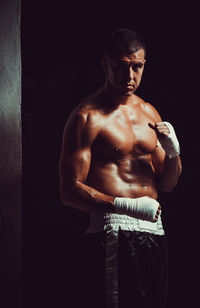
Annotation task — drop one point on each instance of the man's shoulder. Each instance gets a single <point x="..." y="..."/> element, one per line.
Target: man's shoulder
<point x="82" y="125"/>
<point x="84" y="116"/>
<point x="88" y="111"/>
<point x="149" y="109"/>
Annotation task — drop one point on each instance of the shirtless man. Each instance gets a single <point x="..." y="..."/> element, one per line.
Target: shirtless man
<point x="117" y="153"/>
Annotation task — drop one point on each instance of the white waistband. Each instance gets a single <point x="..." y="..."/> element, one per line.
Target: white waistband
<point x="107" y="221"/>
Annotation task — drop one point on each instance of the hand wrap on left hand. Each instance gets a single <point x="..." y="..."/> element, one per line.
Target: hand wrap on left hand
<point x="170" y="143"/>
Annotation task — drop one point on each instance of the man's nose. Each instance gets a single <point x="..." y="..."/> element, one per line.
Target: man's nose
<point x="131" y="73"/>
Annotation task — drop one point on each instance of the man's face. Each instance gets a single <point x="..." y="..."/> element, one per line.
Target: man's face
<point x="124" y="73"/>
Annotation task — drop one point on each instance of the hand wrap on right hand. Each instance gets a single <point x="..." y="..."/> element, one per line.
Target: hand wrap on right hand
<point x="143" y="208"/>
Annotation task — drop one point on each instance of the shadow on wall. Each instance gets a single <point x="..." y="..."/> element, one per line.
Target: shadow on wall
<point x="52" y="232"/>
<point x="47" y="105"/>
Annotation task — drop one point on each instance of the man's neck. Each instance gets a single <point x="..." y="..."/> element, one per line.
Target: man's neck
<point x="117" y="99"/>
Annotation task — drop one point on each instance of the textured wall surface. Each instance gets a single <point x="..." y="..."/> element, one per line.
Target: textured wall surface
<point x="10" y="154"/>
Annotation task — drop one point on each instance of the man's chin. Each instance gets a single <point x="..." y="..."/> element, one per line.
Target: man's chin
<point x="127" y="92"/>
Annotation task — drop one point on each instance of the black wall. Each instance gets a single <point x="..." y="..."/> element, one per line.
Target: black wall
<point x="61" y="50"/>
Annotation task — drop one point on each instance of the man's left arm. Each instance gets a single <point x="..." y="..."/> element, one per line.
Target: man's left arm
<point x="167" y="158"/>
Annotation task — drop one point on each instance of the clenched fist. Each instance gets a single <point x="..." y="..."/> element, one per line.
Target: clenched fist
<point x="167" y="138"/>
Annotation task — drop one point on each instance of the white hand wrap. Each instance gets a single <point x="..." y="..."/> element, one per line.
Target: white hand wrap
<point x="170" y="143"/>
<point x="144" y="208"/>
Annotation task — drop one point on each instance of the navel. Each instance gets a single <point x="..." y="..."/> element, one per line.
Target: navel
<point x="144" y="185"/>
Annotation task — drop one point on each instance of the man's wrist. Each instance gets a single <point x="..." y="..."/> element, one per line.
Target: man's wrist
<point x="170" y="143"/>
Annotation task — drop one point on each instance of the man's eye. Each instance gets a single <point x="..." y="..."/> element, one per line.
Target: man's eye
<point x="137" y="67"/>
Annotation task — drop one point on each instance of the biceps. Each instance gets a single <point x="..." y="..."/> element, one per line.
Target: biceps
<point x="75" y="166"/>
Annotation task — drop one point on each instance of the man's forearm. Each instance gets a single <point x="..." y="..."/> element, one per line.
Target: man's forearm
<point x="170" y="174"/>
<point x="86" y="198"/>
<point x="90" y="200"/>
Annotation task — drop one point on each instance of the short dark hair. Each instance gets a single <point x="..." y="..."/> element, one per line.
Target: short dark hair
<point x="123" y="41"/>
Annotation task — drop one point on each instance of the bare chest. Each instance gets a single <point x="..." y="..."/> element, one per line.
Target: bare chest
<point x="125" y="134"/>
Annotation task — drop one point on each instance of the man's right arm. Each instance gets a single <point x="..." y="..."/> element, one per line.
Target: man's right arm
<point x="75" y="163"/>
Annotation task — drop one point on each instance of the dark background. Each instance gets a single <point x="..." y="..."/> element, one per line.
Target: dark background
<point x="61" y="51"/>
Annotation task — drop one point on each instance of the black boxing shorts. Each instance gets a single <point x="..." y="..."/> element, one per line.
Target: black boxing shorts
<point x="125" y="269"/>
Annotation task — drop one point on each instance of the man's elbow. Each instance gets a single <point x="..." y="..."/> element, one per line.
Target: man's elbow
<point x="69" y="192"/>
<point x="66" y="186"/>
<point x="66" y="194"/>
<point x="167" y="184"/>
<point x="167" y="187"/>
<point x="65" y="198"/>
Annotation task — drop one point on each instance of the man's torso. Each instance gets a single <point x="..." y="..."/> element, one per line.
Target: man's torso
<point x="121" y="163"/>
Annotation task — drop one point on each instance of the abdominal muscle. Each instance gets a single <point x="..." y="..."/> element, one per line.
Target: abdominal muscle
<point x="124" y="178"/>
